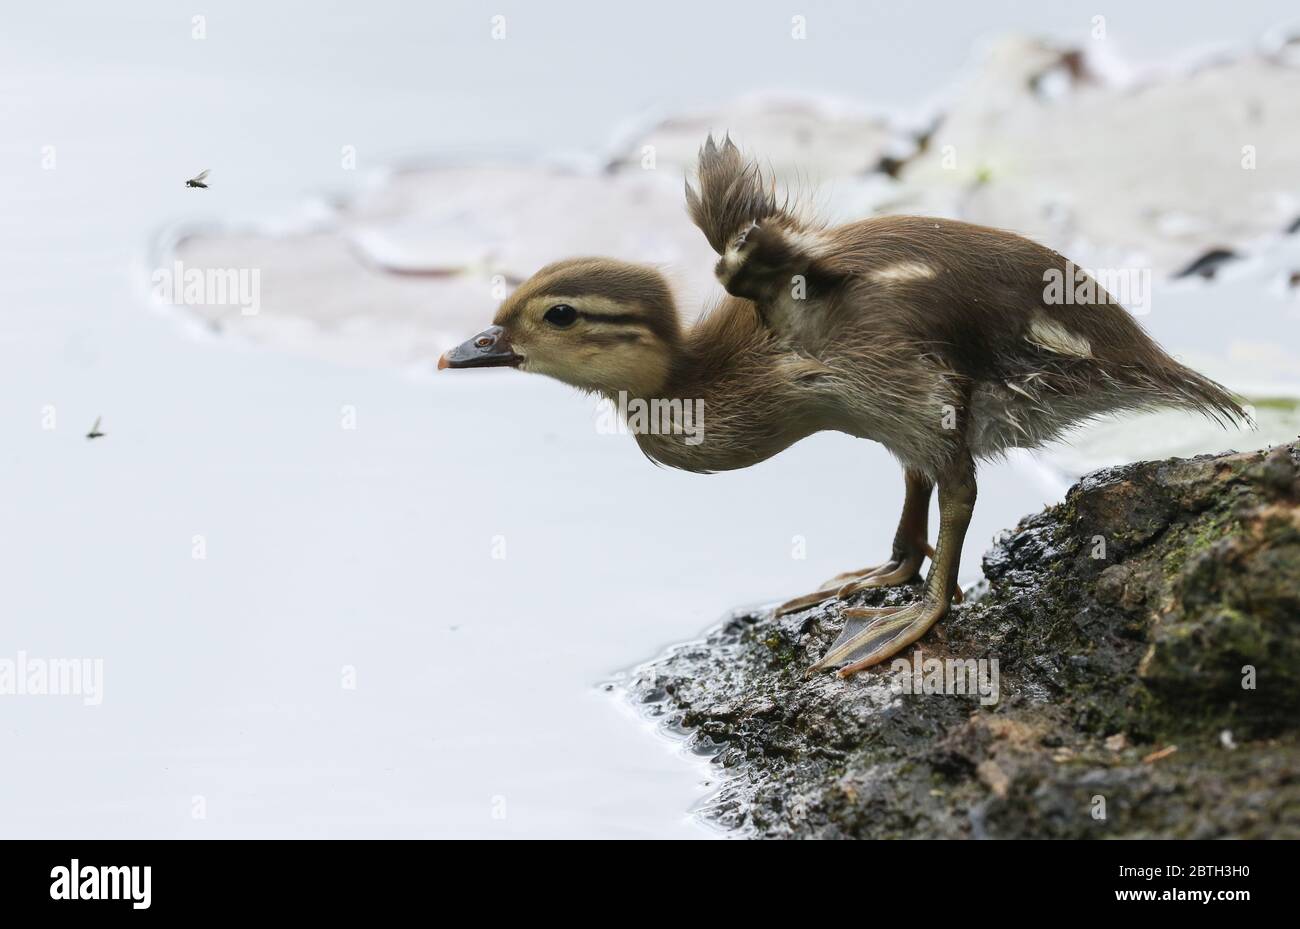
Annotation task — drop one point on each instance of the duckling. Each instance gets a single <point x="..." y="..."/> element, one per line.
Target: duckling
<point x="938" y="339"/>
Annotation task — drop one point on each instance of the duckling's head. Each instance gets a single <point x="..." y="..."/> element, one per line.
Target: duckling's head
<point x="596" y="323"/>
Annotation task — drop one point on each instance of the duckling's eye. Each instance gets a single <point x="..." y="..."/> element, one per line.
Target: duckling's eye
<point x="561" y="315"/>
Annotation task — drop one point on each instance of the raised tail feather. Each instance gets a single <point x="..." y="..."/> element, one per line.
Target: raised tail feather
<point x="733" y="196"/>
<point x="764" y="241"/>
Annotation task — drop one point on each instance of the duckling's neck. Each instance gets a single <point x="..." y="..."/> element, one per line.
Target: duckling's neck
<point x="727" y="401"/>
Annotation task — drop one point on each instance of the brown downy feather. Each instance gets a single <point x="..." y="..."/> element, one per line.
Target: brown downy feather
<point x="1186" y="388"/>
<point x="976" y="296"/>
<point x="932" y="336"/>
<point x="733" y="195"/>
<point x="763" y="241"/>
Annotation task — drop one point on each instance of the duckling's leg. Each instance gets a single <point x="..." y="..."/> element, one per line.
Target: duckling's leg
<point x="909" y="552"/>
<point x="872" y="635"/>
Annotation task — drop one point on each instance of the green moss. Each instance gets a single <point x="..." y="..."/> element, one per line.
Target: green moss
<point x="1191" y="539"/>
<point x="1285" y="404"/>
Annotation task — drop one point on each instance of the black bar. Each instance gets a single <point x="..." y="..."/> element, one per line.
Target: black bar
<point x="841" y="880"/>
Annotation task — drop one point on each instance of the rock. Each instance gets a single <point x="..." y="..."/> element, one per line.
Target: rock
<point x="1153" y="611"/>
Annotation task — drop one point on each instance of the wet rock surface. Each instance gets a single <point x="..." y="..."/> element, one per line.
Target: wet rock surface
<point x="1147" y="638"/>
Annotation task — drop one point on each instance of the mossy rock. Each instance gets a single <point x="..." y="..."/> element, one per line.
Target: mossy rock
<point x="1147" y="634"/>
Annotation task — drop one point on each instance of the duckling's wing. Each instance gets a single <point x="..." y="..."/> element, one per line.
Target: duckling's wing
<point x="733" y="194"/>
<point x="767" y="246"/>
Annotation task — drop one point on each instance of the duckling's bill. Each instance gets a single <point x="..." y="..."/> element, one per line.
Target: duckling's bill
<point x="489" y="349"/>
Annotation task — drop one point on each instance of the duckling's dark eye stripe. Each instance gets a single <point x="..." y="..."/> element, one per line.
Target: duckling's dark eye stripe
<point x="614" y="319"/>
<point x="611" y="338"/>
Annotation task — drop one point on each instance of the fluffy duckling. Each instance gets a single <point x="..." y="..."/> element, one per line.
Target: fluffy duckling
<point x="939" y="339"/>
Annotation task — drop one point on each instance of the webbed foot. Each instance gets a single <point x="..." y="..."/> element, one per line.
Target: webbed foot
<point x="872" y="634"/>
<point x="894" y="571"/>
<point x="891" y="573"/>
<point x="909" y="552"/>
